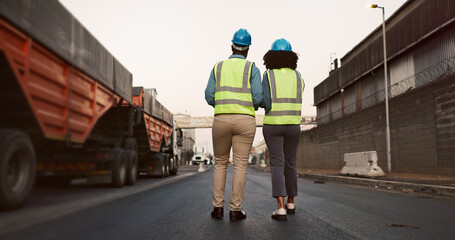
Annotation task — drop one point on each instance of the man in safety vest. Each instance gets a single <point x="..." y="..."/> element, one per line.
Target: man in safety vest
<point x="234" y="90"/>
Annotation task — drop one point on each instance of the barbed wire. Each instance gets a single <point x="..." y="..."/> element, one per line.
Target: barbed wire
<point x="435" y="72"/>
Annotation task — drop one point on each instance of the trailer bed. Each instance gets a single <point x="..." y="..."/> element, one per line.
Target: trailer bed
<point x="65" y="102"/>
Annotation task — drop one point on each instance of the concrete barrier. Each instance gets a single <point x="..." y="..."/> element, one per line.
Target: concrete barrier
<point x="202" y="167"/>
<point x="262" y="163"/>
<point x="363" y="164"/>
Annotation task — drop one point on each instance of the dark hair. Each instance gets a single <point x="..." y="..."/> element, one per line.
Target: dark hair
<point x="280" y="59"/>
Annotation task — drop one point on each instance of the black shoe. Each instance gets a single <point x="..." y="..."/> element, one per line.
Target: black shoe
<point x="290" y="207"/>
<point x="217" y="212"/>
<point x="236" y="215"/>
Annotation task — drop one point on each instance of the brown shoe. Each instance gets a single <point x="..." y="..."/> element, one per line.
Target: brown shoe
<point x="236" y="215"/>
<point x="217" y="212"/>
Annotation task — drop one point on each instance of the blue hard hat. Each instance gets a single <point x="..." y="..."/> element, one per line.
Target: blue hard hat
<point x="242" y="37"/>
<point x="281" y="45"/>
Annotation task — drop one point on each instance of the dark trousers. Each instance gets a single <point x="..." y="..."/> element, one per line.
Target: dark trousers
<point x="282" y="141"/>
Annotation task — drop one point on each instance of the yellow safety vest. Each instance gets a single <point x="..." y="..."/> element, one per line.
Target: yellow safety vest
<point x="286" y="88"/>
<point x="233" y="89"/>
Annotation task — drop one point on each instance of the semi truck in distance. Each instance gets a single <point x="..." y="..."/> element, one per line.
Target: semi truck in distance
<point x="158" y="140"/>
<point x="68" y="108"/>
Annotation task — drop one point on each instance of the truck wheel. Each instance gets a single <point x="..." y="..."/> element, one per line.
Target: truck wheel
<point x="162" y="167"/>
<point x="157" y="160"/>
<point x="17" y="168"/>
<point x="163" y="170"/>
<point x="118" y="167"/>
<point x="176" y="167"/>
<point x="131" y="167"/>
<point x="168" y="165"/>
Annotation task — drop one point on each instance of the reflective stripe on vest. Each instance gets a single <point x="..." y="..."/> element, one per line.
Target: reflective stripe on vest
<point x="233" y="89"/>
<point x="286" y="87"/>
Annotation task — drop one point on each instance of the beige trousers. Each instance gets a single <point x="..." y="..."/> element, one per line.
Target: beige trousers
<point x="236" y="131"/>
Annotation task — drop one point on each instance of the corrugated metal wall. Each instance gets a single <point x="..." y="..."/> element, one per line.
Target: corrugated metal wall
<point x="349" y="99"/>
<point x="335" y="105"/>
<point x="368" y="89"/>
<point x="434" y="51"/>
<point x="401" y="69"/>
<point x="323" y="111"/>
<point x="425" y="18"/>
<point x="427" y="61"/>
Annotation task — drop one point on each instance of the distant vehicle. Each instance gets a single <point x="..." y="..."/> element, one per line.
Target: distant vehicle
<point x="211" y="159"/>
<point x="200" y="156"/>
<point x="158" y="140"/>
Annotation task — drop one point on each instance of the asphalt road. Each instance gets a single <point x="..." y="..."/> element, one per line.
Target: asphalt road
<point x="179" y="208"/>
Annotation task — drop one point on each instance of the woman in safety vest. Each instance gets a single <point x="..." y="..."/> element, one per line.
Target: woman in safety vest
<point x="282" y="99"/>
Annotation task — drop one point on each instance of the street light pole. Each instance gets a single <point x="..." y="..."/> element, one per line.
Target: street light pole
<point x="386" y="90"/>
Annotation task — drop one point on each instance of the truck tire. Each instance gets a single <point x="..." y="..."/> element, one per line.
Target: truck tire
<point x="175" y="167"/>
<point x="131" y="167"/>
<point x="163" y="169"/>
<point x="168" y="165"/>
<point x="118" y="167"/>
<point x="17" y="168"/>
<point x="158" y="161"/>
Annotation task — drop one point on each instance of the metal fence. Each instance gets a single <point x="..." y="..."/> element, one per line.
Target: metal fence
<point x="433" y="73"/>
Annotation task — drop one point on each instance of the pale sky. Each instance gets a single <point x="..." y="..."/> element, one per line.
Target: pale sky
<point x="172" y="45"/>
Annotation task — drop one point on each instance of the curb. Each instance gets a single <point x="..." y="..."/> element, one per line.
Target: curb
<point x="427" y="189"/>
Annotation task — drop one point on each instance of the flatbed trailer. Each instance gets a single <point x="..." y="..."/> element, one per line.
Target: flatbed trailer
<point x="66" y="107"/>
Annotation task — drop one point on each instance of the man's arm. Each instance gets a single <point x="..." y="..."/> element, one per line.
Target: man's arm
<point x="210" y="90"/>
<point x="256" y="87"/>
